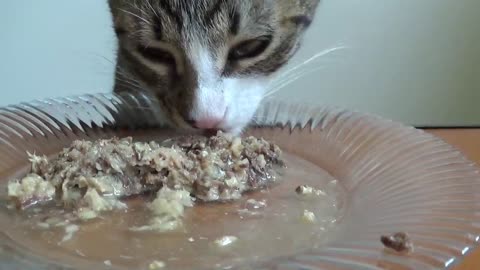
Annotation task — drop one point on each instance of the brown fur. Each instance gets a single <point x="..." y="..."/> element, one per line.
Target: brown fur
<point x="173" y="25"/>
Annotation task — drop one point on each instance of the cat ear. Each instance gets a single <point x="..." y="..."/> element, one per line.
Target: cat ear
<point x="300" y="13"/>
<point x="122" y="23"/>
<point x="114" y="7"/>
<point x="301" y="21"/>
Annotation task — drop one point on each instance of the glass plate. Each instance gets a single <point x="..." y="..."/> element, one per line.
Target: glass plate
<point x="397" y="178"/>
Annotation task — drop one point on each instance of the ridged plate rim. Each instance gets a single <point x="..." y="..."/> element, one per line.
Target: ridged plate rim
<point x="62" y="118"/>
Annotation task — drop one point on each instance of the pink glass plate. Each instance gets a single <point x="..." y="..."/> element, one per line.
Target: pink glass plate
<point x="397" y="178"/>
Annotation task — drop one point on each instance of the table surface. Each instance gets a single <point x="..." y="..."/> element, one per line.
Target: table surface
<point x="467" y="141"/>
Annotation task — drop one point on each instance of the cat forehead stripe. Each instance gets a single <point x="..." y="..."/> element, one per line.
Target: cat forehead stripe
<point x="177" y="10"/>
<point x="210" y="14"/>
<point x="235" y="23"/>
<point x="173" y="14"/>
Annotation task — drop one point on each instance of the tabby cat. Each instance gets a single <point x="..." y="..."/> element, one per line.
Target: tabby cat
<point x="208" y="61"/>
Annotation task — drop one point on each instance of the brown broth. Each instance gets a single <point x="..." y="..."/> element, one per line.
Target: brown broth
<point x="267" y="232"/>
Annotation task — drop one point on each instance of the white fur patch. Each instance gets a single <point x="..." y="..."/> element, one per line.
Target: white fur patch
<point x="242" y="95"/>
<point x="234" y="100"/>
<point x="209" y="101"/>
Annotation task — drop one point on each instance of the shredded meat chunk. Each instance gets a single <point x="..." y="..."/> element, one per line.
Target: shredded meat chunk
<point x="94" y="174"/>
<point x="400" y="242"/>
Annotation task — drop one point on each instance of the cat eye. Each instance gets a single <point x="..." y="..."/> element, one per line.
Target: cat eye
<point x="249" y="48"/>
<point x="157" y="55"/>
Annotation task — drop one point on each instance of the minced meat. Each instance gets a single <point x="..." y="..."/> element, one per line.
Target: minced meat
<point x="400" y="242"/>
<point x="93" y="175"/>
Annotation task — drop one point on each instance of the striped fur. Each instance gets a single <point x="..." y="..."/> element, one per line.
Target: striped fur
<point x="191" y="53"/>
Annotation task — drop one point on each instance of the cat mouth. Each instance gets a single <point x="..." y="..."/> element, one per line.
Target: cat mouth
<point x="180" y="122"/>
<point x="211" y="132"/>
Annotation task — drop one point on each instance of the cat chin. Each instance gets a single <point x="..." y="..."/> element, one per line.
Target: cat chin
<point x="243" y="96"/>
<point x="237" y="130"/>
<point x="239" y="117"/>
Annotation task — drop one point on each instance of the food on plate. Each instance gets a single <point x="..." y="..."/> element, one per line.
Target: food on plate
<point x="308" y="216"/>
<point x="127" y="227"/>
<point x="399" y="242"/>
<point x="306" y="190"/>
<point x="91" y="177"/>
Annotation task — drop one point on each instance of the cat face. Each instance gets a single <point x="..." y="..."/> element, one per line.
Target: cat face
<point x="208" y="61"/>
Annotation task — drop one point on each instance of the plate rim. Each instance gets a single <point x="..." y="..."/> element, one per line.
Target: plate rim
<point x="115" y="104"/>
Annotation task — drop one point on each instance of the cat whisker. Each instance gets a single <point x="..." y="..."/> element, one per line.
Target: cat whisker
<point x="135" y="15"/>
<point x="152" y="8"/>
<point x="130" y="88"/>
<point x="288" y="77"/>
<point x="296" y="72"/>
<point x="124" y="76"/>
<point x="298" y="76"/>
<point x="285" y="83"/>
<point x="148" y="45"/>
<point x="128" y="83"/>
<point x="139" y="32"/>
<point x="126" y="80"/>
<point x="134" y="5"/>
<point x="315" y="57"/>
<point x="105" y="58"/>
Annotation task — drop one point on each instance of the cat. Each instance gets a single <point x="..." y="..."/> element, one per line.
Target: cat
<point x="207" y="61"/>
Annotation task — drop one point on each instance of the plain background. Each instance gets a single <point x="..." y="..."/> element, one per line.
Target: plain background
<point x="413" y="61"/>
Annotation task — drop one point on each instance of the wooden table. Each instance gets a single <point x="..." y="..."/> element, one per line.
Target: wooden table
<point x="467" y="141"/>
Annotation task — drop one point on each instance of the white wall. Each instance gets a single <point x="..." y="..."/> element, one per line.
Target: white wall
<point x="54" y="48"/>
<point x="416" y="61"/>
<point x="410" y="60"/>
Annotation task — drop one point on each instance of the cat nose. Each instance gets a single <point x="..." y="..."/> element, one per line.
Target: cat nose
<point x="208" y="121"/>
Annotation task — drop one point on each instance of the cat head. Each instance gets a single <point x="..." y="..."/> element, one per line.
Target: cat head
<point x="208" y="61"/>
